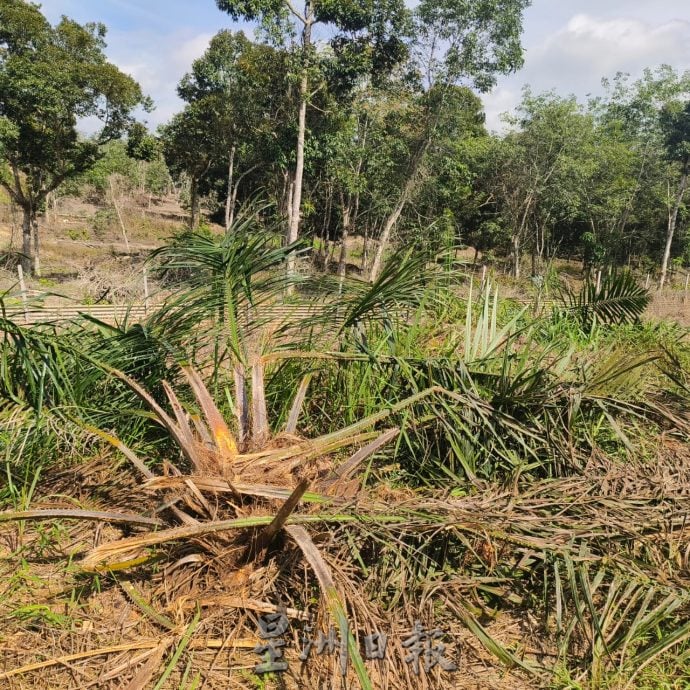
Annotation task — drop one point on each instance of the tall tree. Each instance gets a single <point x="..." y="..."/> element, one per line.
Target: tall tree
<point x="457" y="42"/>
<point x="366" y="36"/>
<point x="189" y="147"/>
<point x="243" y="87"/>
<point x="675" y="122"/>
<point x="631" y="113"/>
<point x="50" y="78"/>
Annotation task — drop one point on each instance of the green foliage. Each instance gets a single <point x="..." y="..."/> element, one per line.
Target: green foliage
<point x="237" y="115"/>
<point x="216" y="280"/>
<point x="618" y="300"/>
<point x="480" y="39"/>
<point x="141" y="145"/>
<point x="113" y="160"/>
<point x="50" y="77"/>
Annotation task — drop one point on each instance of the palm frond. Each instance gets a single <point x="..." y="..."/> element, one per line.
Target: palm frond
<point x="619" y="299"/>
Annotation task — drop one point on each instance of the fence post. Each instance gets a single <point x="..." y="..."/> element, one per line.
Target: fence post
<point x="146" y="293"/>
<point x="22" y="287"/>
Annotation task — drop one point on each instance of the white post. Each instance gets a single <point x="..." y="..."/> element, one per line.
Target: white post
<point x="22" y="287"/>
<point x="146" y="293"/>
<point x="646" y="284"/>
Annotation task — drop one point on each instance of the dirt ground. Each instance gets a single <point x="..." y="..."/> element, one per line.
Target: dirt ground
<point x="83" y="251"/>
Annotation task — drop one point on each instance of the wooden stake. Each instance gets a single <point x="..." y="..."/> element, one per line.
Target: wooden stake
<point x="119" y="214"/>
<point x="146" y="293"/>
<point x="22" y="287"/>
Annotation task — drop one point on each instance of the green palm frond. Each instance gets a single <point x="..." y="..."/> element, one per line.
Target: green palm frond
<point x="221" y="282"/>
<point x="618" y="300"/>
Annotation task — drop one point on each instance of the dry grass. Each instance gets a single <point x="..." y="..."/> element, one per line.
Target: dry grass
<point x="65" y="629"/>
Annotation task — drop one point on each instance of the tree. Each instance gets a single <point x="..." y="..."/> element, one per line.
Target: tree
<point x="675" y="122"/>
<point x="545" y="173"/>
<point x="632" y="113"/>
<point x="366" y="38"/>
<point x="242" y="88"/>
<point x="444" y="195"/>
<point x="457" y="42"/>
<point x="189" y="146"/>
<point x="50" y="79"/>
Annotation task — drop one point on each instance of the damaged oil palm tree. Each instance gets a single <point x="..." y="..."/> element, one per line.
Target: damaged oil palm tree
<point x="235" y="498"/>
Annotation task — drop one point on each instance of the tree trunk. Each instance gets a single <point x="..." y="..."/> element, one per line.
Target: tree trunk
<point x="517" y="256"/>
<point x="296" y="210"/>
<point x="195" y="212"/>
<point x="347" y="221"/>
<point x="119" y="213"/>
<point x="37" y="248"/>
<point x="395" y="214"/>
<point x="290" y="199"/>
<point x="365" y="248"/>
<point x="672" y="220"/>
<point x="27" y="260"/>
<point x="230" y="198"/>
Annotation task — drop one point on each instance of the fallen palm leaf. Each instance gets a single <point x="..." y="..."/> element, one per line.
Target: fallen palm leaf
<point x="239" y="643"/>
<point x="334" y="603"/>
<point x="100" y="558"/>
<point x="88" y="515"/>
<point x="217" y="485"/>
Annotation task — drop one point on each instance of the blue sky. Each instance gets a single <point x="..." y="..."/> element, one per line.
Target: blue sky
<point x="570" y="44"/>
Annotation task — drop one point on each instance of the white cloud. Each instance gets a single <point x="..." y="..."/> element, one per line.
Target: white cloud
<point x="589" y="48"/>
<point x="157" y="63"/>
<point x="501" y="100"/>
<point x="575" y="57"/>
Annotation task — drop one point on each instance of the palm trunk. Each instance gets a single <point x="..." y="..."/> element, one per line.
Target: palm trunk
<point x="672" y="221"/>
<point x="230" y="197"/>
